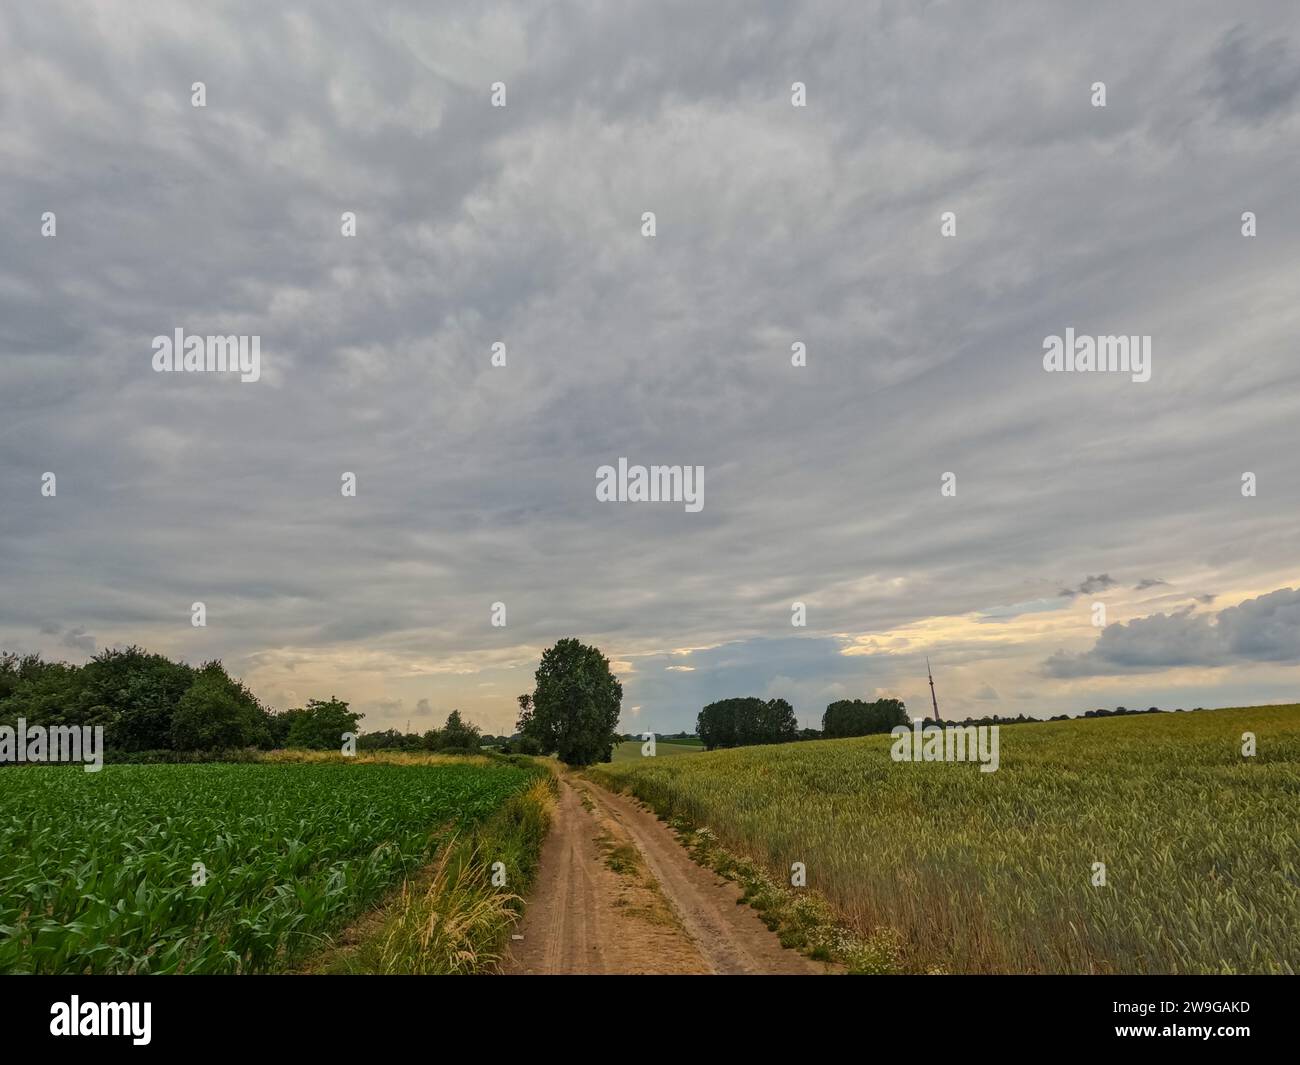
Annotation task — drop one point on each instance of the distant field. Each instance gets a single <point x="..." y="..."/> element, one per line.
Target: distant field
<point x="992" y="872"/>
<point x="630" y="750"/>
<point x="96" y="869"/>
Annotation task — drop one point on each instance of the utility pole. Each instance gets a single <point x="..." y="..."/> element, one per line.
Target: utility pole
<point x="932" y="698"/>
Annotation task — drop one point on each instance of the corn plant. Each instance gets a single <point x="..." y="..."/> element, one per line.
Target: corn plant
<point x="215" y="868"/>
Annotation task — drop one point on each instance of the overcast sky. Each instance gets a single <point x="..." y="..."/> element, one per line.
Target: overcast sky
<point x="775" y="224"/>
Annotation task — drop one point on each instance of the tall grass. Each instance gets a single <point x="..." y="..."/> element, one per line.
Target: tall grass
<point x="451" y="918"/>
<point x="992" y="872"/>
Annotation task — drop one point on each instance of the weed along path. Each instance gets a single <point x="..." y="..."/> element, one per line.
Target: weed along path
<point x="616" y="893"/>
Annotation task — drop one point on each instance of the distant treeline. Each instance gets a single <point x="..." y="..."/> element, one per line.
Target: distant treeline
<point x="1022" y="719"/>
<point x="663" y="737"/>
<point x="455" y="737"/>
<point x="753" y="721"/>
<point x="147" y="703"/>
<point x="750" y="721"/>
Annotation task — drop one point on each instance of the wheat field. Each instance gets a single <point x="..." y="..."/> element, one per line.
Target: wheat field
<point x="996" y="872"/>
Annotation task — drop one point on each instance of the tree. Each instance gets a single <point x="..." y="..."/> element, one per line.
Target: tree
<point x="745" y="722"/>
<point x="716" y="725"/>
<point x="281" y="725"/>
<point x="458" y="735"/>
<point x="525" y="702"/>
<point x="320" y="725"/>
<point x="217" y="713"/>
<point x="575" y="705"/>
<point x="856" y="717"/>
<point x="777" y="723"/>
<point x="46" y="693"/>
<point x="138" y="694"/>
<point x="16" y="668"/>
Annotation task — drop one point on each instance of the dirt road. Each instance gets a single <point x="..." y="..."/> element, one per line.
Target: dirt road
<point x="616" y="893"/>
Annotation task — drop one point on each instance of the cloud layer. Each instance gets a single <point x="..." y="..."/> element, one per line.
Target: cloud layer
<point x="775" y="225"/>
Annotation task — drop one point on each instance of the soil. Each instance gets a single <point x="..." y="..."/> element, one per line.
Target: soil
<point x="617" y="893"/>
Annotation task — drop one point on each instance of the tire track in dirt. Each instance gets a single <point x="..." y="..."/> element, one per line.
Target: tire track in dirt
<point x="616" y="893"/>
<point x="731" y="936"/>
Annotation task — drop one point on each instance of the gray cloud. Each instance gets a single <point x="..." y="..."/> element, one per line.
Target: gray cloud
<point x="1266" y="629"/>
<point x="79" y="639"/>
<point x="521" y="224"/>
<point x="1091" y="586"/>
<point x="1254" y="78"/>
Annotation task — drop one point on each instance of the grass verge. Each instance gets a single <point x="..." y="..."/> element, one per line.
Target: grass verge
<point x="450" y="918"/>
<point x="801" y="918"/>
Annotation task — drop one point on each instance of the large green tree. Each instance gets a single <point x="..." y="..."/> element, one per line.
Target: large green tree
<point x="217" y="713"/>
<point x="321" y="724"/>
<point x="746" y="721"/>
<point x="137" y="694"/>
<point x="575" y="704"/>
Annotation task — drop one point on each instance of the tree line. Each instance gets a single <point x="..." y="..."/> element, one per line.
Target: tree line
<point x="745" y="722"/>
<point x="751" y="721"/>
<point x="457" y="736"/>
<point x="148" y="703"/>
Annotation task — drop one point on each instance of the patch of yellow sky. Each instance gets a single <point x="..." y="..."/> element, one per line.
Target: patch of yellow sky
<point x="980" y="648"/>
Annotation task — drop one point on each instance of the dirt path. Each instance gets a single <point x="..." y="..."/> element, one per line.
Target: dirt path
<point x="616" y="893"/>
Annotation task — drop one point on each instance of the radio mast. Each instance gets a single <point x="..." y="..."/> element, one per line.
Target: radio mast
<point x="933" y="700"/>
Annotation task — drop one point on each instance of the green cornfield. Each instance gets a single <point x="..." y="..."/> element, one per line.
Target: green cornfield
<point x="215" y="868"/>
<point x="996" y="872"/>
